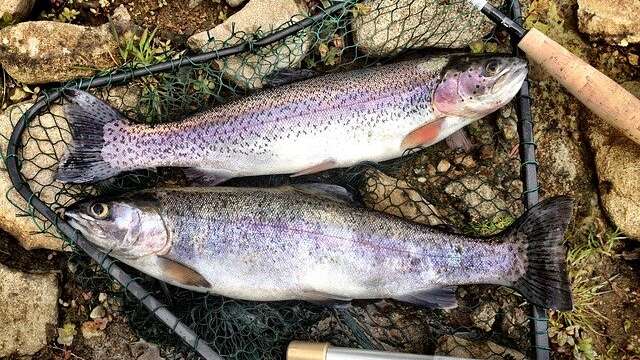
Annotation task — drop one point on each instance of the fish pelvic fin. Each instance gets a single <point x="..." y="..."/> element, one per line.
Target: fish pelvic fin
<point x="541" y="230"/>
<point x="87" y="117"/>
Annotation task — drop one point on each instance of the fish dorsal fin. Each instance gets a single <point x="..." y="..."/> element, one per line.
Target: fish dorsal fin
<point x="173" y="271"/>
<point x="444" y="298"/>
<point x="288" y="76"/>
<point x="328" y="191"/>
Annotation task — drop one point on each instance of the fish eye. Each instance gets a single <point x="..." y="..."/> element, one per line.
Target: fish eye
<point x="492" y="67"/>
<point x="99" y="210"/>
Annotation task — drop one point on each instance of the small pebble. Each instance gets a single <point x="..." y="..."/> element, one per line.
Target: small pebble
<point x="634" y="59"/>
<point x="102" y="297"/>
<point x="444" y="165"/>
<point x="98" y="312"/>
<point x="468" y="162"/>
<point x="419" y="171"/>
<point x="431" y="170"/>
<point x="486" y="152"/>
<point x="422" y="179"/>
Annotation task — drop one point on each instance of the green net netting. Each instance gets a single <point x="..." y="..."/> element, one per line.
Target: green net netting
<point x="477" y="192"/>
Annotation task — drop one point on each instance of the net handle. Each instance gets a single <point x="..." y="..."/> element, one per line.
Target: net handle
<point x="157" y="308"/>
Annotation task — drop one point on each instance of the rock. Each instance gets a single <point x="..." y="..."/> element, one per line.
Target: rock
<point x="142" y="350"/>
<point x="477" y="197"/>
<point x="235" y="3"/>
<point x="443" y="166"/>
<point x="454" y="346"/>
<point x="249" y="71"/>
<point x="617" y="162"/>
<point x="42" y="147"/>
<point x="484" y="316"/>
<point x="194" y="3"/>
<point x="15" y="10"/>
<point x="29" y="311"/>
<point x="40" y="52"/>
<point x="98" y="312"/>
<point x="515" y="323"/>
<point x="27" y="231"/>
<point x="396" y="197"/>
<point x="616" y="22"/>
<point x="381" y="26"/>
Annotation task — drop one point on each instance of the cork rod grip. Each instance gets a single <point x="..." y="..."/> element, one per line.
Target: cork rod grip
<point x="596" y="91"/>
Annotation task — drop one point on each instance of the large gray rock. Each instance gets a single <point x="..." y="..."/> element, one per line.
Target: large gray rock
<point x="455" y="346"/>
<point x="39" y="52"/>
<point x="618" y="165"/>
<point x="28" y="315"/>
<point x="257" y="16"/>
<point x="26" y="230"/>
<point x="614" y="21"/>
<point x="15" y="10"/>
<point x="384" y="27"/>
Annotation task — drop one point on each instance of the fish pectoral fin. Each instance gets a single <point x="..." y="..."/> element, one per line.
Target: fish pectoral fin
<point x="206" y="178"/>
<point x="175" y="272"/>
<point x="444" y="298"/>
<point x="459" y="140"/>
<point x="329" y="191"/>
<point x="424" y="135"/>
<point x="325" y="165"/>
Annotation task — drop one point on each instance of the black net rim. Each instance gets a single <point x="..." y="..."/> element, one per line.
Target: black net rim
<point x="538" y="319"/>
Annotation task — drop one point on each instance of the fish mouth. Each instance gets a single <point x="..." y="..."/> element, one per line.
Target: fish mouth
<point x="510" y="81"/>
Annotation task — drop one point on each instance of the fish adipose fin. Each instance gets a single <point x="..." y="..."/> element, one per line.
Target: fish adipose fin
<point x="180" y="274"/>
<point x="87" y="117"/>
<point x="444" y="298"/>
<point x="542" y="228"/>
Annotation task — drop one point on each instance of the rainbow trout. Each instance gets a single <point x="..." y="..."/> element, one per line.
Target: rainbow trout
<point x="336" y="120"/>
<point x="310" y="242"/>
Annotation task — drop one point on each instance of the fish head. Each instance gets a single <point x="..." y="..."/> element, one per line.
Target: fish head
<point x="473" y="87"/>
<point x="123" y="227"/>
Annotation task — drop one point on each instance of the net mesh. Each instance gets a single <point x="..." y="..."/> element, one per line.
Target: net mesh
<point x="476" y="192"/>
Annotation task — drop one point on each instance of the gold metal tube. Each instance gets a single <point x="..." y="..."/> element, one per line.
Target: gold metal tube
<point x="301" y="350"/>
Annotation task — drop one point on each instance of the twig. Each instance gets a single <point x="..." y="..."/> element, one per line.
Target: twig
<point x="65" y="351"/>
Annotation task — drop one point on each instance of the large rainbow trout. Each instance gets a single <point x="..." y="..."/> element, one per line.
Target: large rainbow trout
<point x="310" y="242"/>
<point x="335" y="120"/>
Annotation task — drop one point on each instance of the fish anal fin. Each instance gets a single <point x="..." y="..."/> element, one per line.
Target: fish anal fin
<point x="174" y="272"/>
<point x="424" y="135"/>
<point x="325" y="165"/>
<point x="444" y="298"/>
<point x="206" y="178"/>
<point x="325" y="299"/>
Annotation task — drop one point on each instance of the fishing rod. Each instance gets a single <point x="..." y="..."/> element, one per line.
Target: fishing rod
<point x="603" y="96"/>
<point x="302" y="350"/>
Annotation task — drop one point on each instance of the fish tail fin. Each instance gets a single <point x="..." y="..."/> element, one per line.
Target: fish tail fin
<point x="87" y="117"/>
<point x="541" y="232"/>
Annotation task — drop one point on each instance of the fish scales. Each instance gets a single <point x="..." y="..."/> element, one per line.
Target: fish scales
<point x="276" y="245"/>
<point x="274" y="125"/>
<point x="310" y="242"/>
<point x="335" y="120"/>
